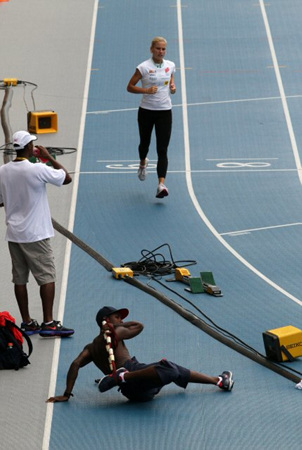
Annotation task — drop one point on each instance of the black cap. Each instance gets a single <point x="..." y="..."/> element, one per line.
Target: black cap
<point x="107" y="310"/>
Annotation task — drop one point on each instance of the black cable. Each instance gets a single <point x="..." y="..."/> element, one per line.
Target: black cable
<point x="28" y="82"/>
<point x="52" y="150"/>
<point x="61" y="150"/>
<point x="155" y="264"/>
<point x="223" y="331"/>
<point x="192" y="318"/>
<point x="150" y="266"/>
<point x="8" y="151"/>
<point x="214" y="325"/>
<point x="3" y="83"/>
<point x="153" y="268"/>
<point x="2" y="147"/>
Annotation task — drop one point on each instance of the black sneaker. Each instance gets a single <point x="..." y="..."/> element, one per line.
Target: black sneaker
<point x="55" y="328"/>
<point x="31" y="328"/>
<point x="226" y="381"/>
<point x="109" y="381"/>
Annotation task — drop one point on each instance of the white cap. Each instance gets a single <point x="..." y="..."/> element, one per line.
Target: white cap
<point x="22" y="138"/>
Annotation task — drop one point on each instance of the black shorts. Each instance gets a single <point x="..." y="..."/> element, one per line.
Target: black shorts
<point x="143" y="391"/>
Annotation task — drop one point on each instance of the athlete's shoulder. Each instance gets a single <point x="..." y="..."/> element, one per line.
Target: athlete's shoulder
<point x="146" y="64"/>
<point x="169" y="63"/>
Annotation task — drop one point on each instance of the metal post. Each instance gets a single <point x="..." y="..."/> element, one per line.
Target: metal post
<point x="7" y="101"/>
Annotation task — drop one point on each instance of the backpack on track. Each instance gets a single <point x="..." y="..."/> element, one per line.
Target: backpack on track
<point x="12" y="355"/>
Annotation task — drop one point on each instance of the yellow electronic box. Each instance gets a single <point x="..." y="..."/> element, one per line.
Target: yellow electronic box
<point x="122" y="272"/>
<point x="283" y="344"/>
<point x="42" y="122"/>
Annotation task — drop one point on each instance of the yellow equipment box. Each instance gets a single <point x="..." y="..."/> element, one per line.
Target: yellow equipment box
<point x="122" y="272"/>
<point x="42" y="122"/>
<point x="283" y="344"/>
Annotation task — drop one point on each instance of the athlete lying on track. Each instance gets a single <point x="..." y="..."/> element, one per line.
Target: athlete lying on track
<point x="136" y="381"/>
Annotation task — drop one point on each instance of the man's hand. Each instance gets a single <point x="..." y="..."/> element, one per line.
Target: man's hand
<point x="39" y="150"/>
<point x="59" y="398"/>
<point x="106" y="326"/>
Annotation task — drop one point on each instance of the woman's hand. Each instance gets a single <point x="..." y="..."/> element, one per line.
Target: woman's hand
<point x="172" y="88"/>
<point x="152" y="90"/>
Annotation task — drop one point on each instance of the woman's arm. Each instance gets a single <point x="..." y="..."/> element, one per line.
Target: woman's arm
<point x="172" y="84"/>
<point x="137" y="89"/>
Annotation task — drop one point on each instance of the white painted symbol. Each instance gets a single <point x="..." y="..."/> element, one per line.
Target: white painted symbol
<point x="128" y="166"/>
<point x="236" y="165"/>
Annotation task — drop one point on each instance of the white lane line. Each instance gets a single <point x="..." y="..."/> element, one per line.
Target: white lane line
<point x="56" y="352"/>
<point x="108" y="111"/>
<point x="155" y="160"/>
<point x="125" y="170"/>
<point x="240" y="100"/>
<point x="238" y="159"/>
<point x="188" y="172"/>
<point x="251" y="230"/>
<point x="184" y="96"/>
<point x="281" y="90"/>
<point x="136" y="161"/>
<point x="218" y="102"/>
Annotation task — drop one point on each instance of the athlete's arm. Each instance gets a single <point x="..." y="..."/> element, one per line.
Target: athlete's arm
<point x="82" y="360"/>
<point x="128" y="330"/>
<point x="137" y="89"/>
<point x="172" y="84"/>
<point x="56" y="165"/>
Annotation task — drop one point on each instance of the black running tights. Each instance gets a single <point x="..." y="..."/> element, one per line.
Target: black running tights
<point x="162" y="121"/>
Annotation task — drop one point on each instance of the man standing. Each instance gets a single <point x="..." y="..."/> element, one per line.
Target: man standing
<point x="29" y="229"/>
<point x="137" y="381"/>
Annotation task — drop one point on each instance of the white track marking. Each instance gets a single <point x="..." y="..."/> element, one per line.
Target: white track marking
<point x="252" y="230"/>
<point x="282" y="93"/>
<point x="188" y="171"/>
<point x="218" y="102"/>
<point x="56" y="352"/>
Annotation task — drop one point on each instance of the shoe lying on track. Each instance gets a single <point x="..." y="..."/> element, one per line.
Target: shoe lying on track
<point x="31" y="328"/>
<point x="226" y="381"/>
<point x="55" y="328"/>
<point x="142" y="170"/>
<point x="162" y="191"/>
<point x="109" y="381"/>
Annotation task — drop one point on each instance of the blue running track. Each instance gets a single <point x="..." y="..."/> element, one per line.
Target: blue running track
<point x="234" y="207"/>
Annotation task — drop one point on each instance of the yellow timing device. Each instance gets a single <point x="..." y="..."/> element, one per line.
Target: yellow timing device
<point x="122" y="272"/>
<point x="39" y="122"/>
<point x="283" y="344"/>
<point x="10" y="81"/>
<point x="180" y="273"/>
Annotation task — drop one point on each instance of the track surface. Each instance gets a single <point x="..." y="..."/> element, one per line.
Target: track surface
<point x="234" y="207"/>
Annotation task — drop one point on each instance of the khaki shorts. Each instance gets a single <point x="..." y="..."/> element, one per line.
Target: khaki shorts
<point x="35" y="257"/>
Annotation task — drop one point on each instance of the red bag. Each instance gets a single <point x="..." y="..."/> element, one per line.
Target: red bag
<point x="12" y="355"/>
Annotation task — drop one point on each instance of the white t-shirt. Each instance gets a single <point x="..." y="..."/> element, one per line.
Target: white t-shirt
<point x="23" y="192"/>
<point x="160" y="76"/>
